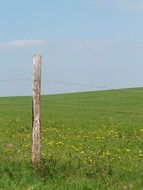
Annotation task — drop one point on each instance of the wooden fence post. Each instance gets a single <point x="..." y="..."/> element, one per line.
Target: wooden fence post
<point x="37" y="60"/>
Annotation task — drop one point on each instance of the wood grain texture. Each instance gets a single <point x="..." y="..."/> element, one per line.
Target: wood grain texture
<point x="37" y="60"/>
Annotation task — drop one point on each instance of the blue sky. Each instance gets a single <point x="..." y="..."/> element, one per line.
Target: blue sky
<point x="85" y="44"/>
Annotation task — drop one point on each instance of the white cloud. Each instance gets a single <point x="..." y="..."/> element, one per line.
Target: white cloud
<point x="131" y="5"/>
<point x="21" y="43"/>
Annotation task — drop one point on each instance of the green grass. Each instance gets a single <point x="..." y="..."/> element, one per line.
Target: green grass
<point x="89" y="141"/>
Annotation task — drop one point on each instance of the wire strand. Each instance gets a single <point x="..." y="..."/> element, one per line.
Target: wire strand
<point x="55" y="82"/>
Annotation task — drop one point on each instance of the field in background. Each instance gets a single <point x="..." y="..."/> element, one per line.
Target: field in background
<point x="90" y="140"/>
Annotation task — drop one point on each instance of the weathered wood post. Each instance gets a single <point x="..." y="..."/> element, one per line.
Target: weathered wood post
<point x="37" y="60"/>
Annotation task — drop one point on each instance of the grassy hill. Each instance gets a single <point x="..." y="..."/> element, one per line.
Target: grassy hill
<point x="90" y="140"/>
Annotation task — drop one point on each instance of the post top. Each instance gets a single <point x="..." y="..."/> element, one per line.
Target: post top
<point x="37" y="55"/>
<point x="37" y="58"/>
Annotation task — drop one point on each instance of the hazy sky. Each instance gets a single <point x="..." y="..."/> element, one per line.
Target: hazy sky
<point x="85" y="44"/>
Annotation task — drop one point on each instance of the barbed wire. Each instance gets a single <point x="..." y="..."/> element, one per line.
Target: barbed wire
<point x="56" y="82"/>
<point x="15" y="80"/>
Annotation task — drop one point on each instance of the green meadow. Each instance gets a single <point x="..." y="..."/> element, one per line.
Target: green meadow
<point x="89" y="141"/>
